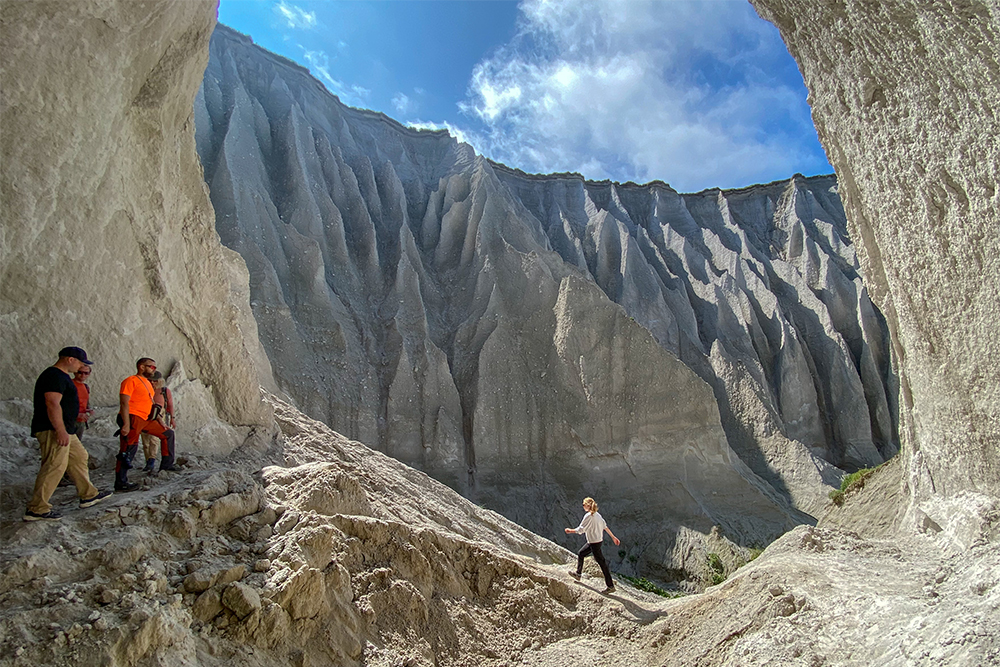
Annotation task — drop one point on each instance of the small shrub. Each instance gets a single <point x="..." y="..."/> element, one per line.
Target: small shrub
<point x="644" y="584"/>
<point x="854" y="481"/>
<point x="621" y="553"/>
<point x="717" y="569"/>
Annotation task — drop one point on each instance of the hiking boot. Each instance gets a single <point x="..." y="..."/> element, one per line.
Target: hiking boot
<point x="574" y="574"/>
<point x="90" y="502"/>
<point x="51" y="515"/>
<point x="608" y="591"/>
<point x="126" y="487"/>
<point x="169" y="468"/>
<point x="150" y="464"/>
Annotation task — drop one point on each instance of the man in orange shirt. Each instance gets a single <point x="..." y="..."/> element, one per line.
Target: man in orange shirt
<point x="136" y="402"/>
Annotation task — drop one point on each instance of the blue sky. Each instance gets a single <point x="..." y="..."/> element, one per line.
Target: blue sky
<point x="697" y="94"/>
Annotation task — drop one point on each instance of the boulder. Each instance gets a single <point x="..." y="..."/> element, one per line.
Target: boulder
<point x="241" y="599"/>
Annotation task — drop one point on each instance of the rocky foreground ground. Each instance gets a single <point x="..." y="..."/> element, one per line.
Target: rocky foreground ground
<point x="317" y="550"/>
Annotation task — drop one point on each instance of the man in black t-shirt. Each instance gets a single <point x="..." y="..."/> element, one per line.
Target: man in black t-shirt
<point x="53" y="423"/>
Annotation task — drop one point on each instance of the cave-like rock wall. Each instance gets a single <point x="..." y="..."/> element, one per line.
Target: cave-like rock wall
<point x="528" y="339"/>
<point x="905" y="97"/>
<point x="108" y="233"/>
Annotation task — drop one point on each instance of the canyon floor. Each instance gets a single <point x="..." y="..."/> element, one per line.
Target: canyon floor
<point x="312" y="549"/>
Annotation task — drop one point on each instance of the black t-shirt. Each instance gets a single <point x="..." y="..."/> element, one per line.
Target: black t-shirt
<point x="53" y="379"/>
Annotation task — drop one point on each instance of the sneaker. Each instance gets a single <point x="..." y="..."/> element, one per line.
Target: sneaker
<point x="101" y="495"/>
<point x="574" y="574"/>
<point x="51" y="515"/>
<point x="608" y="591"/>
<point x="127" y="486"/>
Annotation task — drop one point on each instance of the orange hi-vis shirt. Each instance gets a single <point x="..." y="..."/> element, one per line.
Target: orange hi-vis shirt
<point x="140" y="395"/>
<point x="83" y="393"/>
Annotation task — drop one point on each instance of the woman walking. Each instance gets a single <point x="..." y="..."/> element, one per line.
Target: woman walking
<point x="594" y="527"/>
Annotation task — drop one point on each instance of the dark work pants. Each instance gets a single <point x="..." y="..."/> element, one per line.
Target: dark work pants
<point x="129" y="444"/>
<point x="594" y="550"/>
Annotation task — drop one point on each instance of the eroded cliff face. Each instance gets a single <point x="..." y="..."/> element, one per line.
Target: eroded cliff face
<point x="337" y="554"/>
<point x="108" y="233"/>
<point x="531" y="339"/>
<point x="905" y="97"/>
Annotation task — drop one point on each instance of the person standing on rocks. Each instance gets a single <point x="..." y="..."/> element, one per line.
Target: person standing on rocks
<point x="163" y="412"/>
<point x="136" y="405"/>
<point x="53" y="423"/>
<point x="83" y="392"/>
<point x="594" y="527"/>
<point x="83" y="417"/>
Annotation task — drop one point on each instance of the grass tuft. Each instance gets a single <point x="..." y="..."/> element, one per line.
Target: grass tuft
<point x="644" y="584"/>
<point x="853" y="482"/>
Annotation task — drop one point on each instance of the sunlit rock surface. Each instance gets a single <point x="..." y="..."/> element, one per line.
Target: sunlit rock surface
<point x="905" y="97"/>
<point x="321" y="551"/>
<point x="108" y="239"/>
<point x="461" y="316"/>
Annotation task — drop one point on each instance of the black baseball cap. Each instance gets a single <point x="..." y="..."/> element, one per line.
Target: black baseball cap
<point x="76" y="353"/>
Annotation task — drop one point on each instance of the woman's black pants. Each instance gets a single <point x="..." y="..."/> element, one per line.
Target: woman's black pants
<point x="594" y="550"/>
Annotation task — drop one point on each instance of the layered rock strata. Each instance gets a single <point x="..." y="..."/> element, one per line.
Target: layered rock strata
<point x="518" y="336"/>
<point x="108" y="234"/>
<point x="905" y="97"/>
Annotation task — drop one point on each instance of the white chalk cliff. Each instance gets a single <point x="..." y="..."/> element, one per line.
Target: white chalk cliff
<point x="462" y="316"/>
<point x="108" y="239"/>
<point x="304" y="548"/>
<point x="906" y="100"/>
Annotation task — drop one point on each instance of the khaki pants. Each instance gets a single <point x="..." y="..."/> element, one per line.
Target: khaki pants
<point x="56" y="460"/>
<point x="150" y="446"/>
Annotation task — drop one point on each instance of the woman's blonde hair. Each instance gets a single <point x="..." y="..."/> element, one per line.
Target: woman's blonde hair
<point x="590" y="503"/>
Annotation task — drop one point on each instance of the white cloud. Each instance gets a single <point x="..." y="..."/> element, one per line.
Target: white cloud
<point x="402" y="103"/>
<point x="319" y="65"/>
<point x="296" y="17"/>
<point x="678" y="91"/>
